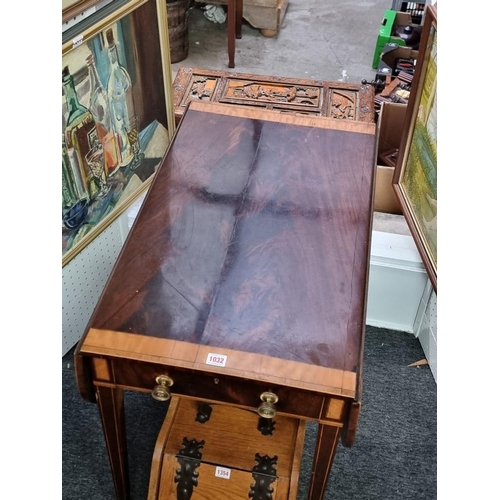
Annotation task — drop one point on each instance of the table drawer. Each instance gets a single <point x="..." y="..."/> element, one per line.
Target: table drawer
<point x="207" y="386"/>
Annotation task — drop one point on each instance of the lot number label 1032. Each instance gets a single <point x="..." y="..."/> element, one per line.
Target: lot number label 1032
<point x="216" y="359"/>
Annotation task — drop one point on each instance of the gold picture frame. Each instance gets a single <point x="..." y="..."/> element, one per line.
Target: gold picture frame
<point x="117" y="115"/>
<point x="415" y="176"/>
<point x="73" y="8"/>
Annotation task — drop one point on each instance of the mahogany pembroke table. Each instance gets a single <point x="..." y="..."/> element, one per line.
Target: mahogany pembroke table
<point x="243" y="281"/>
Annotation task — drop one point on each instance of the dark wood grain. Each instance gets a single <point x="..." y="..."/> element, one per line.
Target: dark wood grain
<point x="231" y="31"/>
<point x="254" y="237"/>
<point x="351" y="425"/>
<point x="137" y="376"/>
<point x="234" y="23"/>
<point x="239" y="18"/>
<point x="253" y="242"/>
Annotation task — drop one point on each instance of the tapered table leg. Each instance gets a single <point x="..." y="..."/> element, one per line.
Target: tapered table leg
<point x="231" y="33"/>
<point x="239" y="17"/>
<point x="326" y="444"/>
<point x="112" y="411"/>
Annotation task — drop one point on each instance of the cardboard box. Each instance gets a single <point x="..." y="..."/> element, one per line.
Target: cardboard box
<point x="389" y="130"/>
<point x="391" y="20"/>
<point x="390" y="55"/>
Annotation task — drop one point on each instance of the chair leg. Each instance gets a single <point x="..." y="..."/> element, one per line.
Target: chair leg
<point x="239" y="17"/>
<point x="231" y="26"/>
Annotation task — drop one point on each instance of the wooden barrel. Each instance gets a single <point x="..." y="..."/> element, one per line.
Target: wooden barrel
<point x="178" y="35"/>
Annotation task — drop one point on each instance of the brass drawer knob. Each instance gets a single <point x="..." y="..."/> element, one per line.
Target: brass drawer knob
<point x="161" y="392"/>
<point x="267" y="409"/>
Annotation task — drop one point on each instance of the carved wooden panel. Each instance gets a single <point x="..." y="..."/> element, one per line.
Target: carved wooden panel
<point x="298" y="96"/>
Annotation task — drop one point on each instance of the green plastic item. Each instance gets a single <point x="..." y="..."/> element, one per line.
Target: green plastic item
<point x="384" y="36"/>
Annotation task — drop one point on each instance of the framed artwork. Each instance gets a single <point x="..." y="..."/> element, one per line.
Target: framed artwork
<point x="72" y="8"/>
<point x="415" y="176"/>
<point x="117" y="115"/>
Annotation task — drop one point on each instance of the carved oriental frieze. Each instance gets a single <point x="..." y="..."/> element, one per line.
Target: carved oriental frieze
<point x="300" y="96"/>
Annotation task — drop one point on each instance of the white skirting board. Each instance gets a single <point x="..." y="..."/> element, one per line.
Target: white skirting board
<point x="400" y="296"/>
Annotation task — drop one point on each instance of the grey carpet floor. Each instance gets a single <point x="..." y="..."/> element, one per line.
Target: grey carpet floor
<point x="394" y="455"/>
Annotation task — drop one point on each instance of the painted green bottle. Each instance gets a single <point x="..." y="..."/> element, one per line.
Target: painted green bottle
<point x="80" y="135"/>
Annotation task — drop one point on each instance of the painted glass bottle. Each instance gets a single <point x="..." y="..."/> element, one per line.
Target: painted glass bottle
<point x="69" y="183"/>
<point x="99" y="107"/>
<point x="81" y="136"/>
<point x="120" y="100"/>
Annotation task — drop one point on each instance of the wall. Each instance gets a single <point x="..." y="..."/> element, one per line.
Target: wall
<point x="426" y="329"/>
<point x="84" y="277"/>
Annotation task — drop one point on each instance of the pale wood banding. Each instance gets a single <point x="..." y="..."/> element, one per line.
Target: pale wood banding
<point x="239" y="364"/>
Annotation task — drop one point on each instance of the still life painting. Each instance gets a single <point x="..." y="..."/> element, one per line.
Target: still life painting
<point x="114" y="134"/>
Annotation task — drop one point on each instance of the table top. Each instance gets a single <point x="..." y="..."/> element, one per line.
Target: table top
<point x="253" y="243"/>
